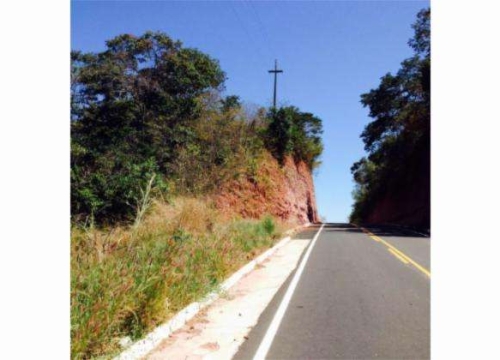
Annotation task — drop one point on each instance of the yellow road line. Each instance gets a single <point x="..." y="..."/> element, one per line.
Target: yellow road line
<point x="395" y="251"/>
<point x="403" y="259"/>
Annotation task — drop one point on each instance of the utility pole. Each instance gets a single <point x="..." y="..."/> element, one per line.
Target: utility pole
<point x="275" y="72"/>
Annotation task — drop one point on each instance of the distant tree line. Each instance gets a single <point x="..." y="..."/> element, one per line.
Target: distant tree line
<point x="398" y="139"/>
<point x="149" y="112"/>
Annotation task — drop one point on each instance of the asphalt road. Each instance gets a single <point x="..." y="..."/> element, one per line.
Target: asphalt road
<point x="360" y="295"/>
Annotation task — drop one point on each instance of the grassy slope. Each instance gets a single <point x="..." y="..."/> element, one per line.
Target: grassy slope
<point x="126" y="280"/>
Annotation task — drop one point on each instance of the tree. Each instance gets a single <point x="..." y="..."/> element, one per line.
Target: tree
<point x="147" y="108"/>
<point x="132" y="107"/>
<point x="295" y="133"/>
<point x="398" y="139"/>
<point x="279" y="133"/>
<point x="230" y="102"/>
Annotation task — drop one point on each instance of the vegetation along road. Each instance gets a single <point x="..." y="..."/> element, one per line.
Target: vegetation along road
<point x="358" y="293"/>
<point x="176" y="183"/>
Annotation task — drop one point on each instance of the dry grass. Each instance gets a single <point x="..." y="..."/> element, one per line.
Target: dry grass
<point x="126" y="280"/>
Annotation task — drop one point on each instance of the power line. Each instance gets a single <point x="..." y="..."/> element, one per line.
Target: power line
<point x="242" y="23"/>
<point x="260" y="24"/>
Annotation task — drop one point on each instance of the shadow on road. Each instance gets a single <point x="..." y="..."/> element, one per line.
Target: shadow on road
<point x="330" y="227"/>
<point x="379" y="230"/>
<point x="396" y="231"/>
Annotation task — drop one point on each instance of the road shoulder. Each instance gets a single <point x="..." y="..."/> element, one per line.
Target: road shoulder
<point x="219" y="330"/>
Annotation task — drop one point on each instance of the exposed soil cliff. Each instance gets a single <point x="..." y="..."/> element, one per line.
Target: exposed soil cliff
<point x="284" y="191"/>
<point x="407" y="199"/>
<point x="408" y="205"/>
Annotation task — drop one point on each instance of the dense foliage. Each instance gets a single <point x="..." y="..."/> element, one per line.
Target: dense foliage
<point x="149" y="112"/>
<point x="295" y="133"/>
<point x="398" y="139"/>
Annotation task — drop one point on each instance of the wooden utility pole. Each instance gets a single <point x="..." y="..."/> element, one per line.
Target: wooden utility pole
<point x="275" y="72"/>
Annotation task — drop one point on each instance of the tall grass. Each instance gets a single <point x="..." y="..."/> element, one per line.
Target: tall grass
<point x="126" y="280"/>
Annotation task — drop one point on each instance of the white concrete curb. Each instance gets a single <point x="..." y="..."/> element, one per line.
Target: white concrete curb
<point x="153" y="339"/>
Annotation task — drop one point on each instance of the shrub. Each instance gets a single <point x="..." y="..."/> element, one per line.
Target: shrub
<point x="113" y="190"/>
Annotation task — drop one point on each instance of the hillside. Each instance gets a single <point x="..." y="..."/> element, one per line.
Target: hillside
<point x="407" y="199"/>
<point x="128" y="279"/>
<point x="286" y="192"/>
<point x="393" y="180"/>
<point x="174" y="185"/>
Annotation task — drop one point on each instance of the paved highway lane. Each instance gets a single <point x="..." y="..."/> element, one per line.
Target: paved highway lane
<point x="414" y="244"/>
<point x="362" y="294"/>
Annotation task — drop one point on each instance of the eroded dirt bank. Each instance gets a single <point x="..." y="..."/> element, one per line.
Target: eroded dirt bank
<point x="284" y="191"/>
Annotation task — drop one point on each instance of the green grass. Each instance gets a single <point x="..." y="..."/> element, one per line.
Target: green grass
<point x="125" y="281"/>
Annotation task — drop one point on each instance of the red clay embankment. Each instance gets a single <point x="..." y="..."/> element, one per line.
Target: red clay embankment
<point x="285" y="191"/>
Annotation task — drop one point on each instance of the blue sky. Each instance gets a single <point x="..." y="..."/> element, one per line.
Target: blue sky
<point x="331" y="52"/>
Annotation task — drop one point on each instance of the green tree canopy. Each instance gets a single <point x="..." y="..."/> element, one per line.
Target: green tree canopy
<point x="399" y="135"/>
<point x="295" y="133"/>
<point x="132" y="107"/>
